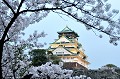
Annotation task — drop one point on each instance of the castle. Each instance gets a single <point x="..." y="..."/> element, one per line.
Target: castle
<point x="69" y="49"/>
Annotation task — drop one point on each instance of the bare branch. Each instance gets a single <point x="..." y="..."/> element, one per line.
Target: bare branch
<point x="60" y="15"/>
<point x="94" y="32"/>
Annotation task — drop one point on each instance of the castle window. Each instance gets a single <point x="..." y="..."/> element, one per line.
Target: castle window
<point x="78" y="52"/>
<point x="84" y="57"/>
<point x="60" y="45"/>
<point x="59" y="53"/>
<point x="72" y="57"/>
<point x="67" y="58"/>
<point x="63" y="42"/>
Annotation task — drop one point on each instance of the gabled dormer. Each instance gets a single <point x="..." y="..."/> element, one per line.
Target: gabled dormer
<point x="63" y="39"/>
<point x="62" y="51"/>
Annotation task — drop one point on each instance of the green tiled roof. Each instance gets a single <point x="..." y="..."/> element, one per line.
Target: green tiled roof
<point x="68" y="30"/>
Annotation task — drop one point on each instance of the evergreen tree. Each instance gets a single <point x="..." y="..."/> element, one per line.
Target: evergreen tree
<point x="38" y="57"/>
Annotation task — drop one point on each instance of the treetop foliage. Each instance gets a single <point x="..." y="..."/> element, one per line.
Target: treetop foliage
<point x="110" y="65"/>
<point x="38" y="57"/>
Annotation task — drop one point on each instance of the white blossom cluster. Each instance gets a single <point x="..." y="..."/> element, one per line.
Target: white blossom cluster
<point x="90" y="12"/>
<point x="22" y="21"/>
<point x="15" y="69"/>
<point x="52" y="71"/>
<point x="17" y="15"/>
<point x="95" y="14"/>
<point x="14" y="58"/>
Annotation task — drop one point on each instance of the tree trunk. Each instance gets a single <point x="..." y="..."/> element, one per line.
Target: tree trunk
<point x="1" y="53"/>
<point x="2" y="41"/>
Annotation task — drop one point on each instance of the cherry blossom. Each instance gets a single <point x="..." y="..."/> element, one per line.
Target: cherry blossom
<point x="17" y="15"/>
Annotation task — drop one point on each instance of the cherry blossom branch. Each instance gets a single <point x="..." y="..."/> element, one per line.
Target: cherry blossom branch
<point x="88" y="24"/>
<point x="87" y="12"/>
<point x="8" y="27"/>
<point x="9" y="6"/>
<point x="39" y="10"/>
<point x="4" y="28"/>
<point x="22" y="1"/>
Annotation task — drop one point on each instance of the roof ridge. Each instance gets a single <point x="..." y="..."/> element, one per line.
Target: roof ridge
<point x="67" y="28"/>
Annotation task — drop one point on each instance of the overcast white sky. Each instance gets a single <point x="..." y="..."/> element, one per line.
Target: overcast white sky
<point x="99" y="51"/>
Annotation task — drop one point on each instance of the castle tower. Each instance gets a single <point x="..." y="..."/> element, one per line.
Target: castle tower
<point x="69" y="49"/>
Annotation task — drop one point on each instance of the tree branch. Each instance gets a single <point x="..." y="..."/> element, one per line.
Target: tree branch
<point x="8" y="27"/>
<point x="20" y="5"/>
<point x="40" y="10"/>
<point x="87" y="12"/>
<point x="9" y="6"/>
<point x="80" y="20"/>
<point x="61" y="16"/>
<point x="4" y="29"/>
<point x="7" y="39"/>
